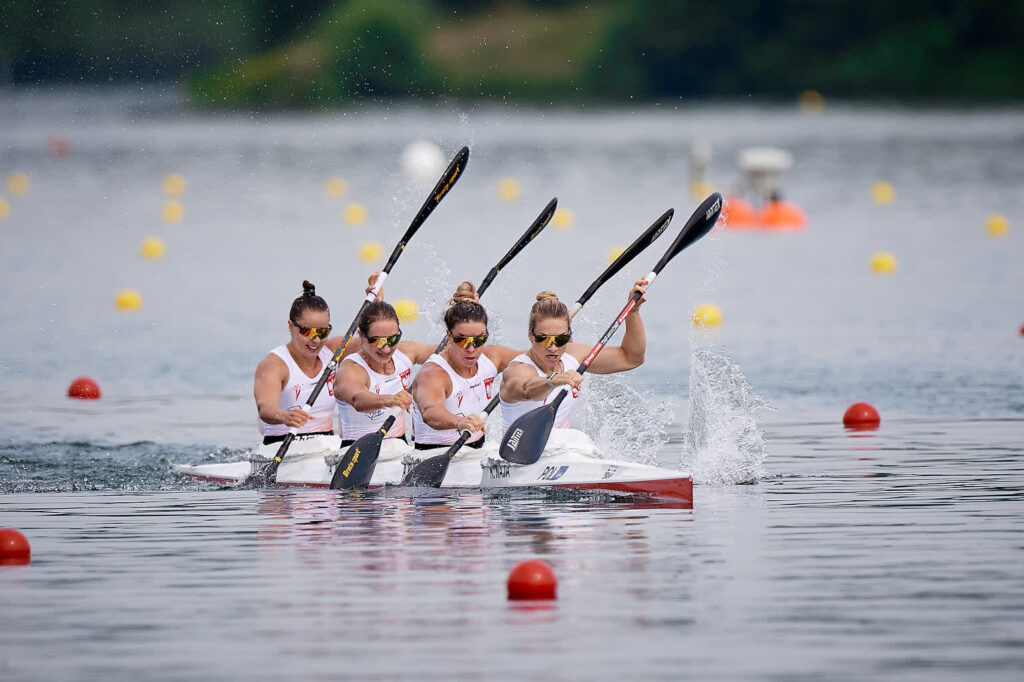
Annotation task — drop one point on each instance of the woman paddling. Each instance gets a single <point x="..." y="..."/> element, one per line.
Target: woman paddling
<point x="455" y="385"/>
<point x="371" y="383"/>
<point x="525" y="384"/>
<point x="286" y="377"/>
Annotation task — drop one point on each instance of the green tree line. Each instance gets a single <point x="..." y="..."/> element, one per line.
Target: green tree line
<point x="316" y="52"/>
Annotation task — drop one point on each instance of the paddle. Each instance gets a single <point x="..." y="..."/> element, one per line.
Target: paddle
<point x="431" y="471"/>
<point x="532" y="231"/>
<point x="360" y="460"/>
<point x="526" y="437"/>
<point x="268" y="474"/>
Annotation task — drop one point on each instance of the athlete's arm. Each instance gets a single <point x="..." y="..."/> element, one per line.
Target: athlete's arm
<point x="267" y="385"/>
<point x="429" y="390"/>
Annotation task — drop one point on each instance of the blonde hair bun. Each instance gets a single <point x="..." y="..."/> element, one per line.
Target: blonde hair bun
<point x="465" y="292"/>
<point x="544" y="295"/>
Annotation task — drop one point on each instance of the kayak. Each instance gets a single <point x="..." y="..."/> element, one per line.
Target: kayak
<point x="570" y="460"/>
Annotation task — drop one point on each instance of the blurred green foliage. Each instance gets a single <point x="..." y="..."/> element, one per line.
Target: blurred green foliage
<point x="263" y="53"/>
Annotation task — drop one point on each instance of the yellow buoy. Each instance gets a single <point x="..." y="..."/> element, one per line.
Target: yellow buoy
<point x="174" y="185"/>
<point x="128" y="300"/>
<point x="997" y="225"/>
<point x="883" y="193"/>
<point x="509" y="190"/>
<point x="173" y="212"/>
<point x="5" y="209"/>
<point x="812" y="102"/>
<point x="18" y="184"/>
<point x="355" y="214"/>
<point x="615" y="252"/>
<point x="153" y="248"/>
<point x="700" y="190"/>
<point x="407" y="310"/>
<point x="335" y="188"/>
<point x="563" y="219"/>
<point x="883" y="263"/>
<point x="370" y="252"/>
<point x="707" y="315"/>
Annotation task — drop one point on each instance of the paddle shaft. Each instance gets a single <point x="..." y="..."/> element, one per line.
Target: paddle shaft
<point x="444" y="185"/>
<point x="535" y="228"/>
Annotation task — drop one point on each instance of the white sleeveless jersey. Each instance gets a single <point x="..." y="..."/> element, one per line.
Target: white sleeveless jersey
<point x="296" y="391"/>
<point x="469" y="396"/>
<point x="355" y="424"/>
<point x="512" y="411"/>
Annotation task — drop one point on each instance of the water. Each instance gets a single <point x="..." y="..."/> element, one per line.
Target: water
<point x="809" y="552"/>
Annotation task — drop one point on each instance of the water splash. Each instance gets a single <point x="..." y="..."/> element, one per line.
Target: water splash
<point x="725" y="444"/>
<point x="624" y="423"/>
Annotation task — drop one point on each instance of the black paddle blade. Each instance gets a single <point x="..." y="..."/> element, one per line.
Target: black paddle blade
<point x="430" y="472"/>
<point x="631" y="252"/>
<point x="525" y="439"/>
<point x="699" y="224"/>
<point x="356" y="468"/>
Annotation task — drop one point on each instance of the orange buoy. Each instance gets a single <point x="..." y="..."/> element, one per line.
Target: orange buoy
<point x="782" y="216"/>
<point x="14" y="548"/>
<point x="84" y="388"/>
<point x="738" y="214"/>
<point x="861" y="416"/>
<point x="532" y="579"/>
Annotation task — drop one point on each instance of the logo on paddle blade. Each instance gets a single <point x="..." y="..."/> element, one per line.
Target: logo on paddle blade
<point x="351" y="464"/>
<point x="513" y="440"/>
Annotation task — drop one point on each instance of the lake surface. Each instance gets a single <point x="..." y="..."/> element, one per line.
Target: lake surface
<point x="809" y="552"/>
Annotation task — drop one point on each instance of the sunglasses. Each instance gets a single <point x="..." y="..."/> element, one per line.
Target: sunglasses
<point x="381" y="341"/>
<point x="467" y="341"/>
<point x="313" y="332"/>
<point x="557" y="339"/>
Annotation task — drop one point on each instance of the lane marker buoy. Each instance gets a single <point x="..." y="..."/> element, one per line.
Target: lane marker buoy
<point x="997" y="225"/>
<point x="153" y="248"/>
<point x="335" y="188"/>
<point x="861" y="416"/>
<point x="370" y="252"/>
<point x="563" y="219"/>
<point x="174" y="184"/>
<point x="883" y="263"/>
<point x="355" y="214"/>
<point x="407" y="310"/>
<point x="532" y="579"/>
<point x="128" y="300"/>
<point x="172" y="212"/>
<point x="883" y="193"/>
<point x="707" y="315"/>
<point x="14" y="548"/>
<point x="84" y="388"/>
<point x="18" y="184"/>
<point x="509" y="189"/>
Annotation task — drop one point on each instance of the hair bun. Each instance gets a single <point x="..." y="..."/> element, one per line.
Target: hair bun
<point x="464" y="293"/>
<point x="308" y="288"/>
<point x="544" y="295"/>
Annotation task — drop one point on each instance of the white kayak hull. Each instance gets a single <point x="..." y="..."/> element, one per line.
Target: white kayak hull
<point x="571" y="460"/>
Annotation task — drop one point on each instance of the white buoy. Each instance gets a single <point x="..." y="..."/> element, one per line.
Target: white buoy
<point x="422" y="161"/>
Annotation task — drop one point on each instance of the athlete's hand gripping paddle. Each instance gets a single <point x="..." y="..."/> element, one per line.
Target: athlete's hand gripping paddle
<point x="527" y="436"/>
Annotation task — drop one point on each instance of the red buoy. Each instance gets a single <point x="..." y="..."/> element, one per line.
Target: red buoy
<point x="14" y="548"/>
<point x="58" y="146"/>
<point x="861" y="416"/>
<point x="532" y="579"/>
<point x="84" y="388"/>
<point x="1022" y="330"/>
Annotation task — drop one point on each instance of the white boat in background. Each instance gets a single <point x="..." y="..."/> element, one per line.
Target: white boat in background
<point x="571" y="460"/>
